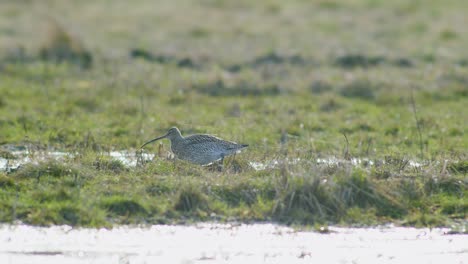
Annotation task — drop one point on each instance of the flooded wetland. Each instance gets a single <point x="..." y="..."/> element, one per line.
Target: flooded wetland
<point x="354" y="113"/>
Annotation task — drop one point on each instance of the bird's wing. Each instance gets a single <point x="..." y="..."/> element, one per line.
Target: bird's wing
<point x="209" y="139"/>
<point x="197" y="139"/>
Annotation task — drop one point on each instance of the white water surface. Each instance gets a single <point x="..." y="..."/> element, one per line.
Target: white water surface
<point x="225" y="243"/>
<point x="131" y="159"/>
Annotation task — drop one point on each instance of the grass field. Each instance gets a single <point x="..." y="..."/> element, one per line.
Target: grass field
<point x="298" y="81"/>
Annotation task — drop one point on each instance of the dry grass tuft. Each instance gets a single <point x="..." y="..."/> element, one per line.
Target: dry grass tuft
<point x="62" y="46"/>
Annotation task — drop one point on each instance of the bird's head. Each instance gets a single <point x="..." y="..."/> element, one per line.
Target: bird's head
<point x="172" y="134"/>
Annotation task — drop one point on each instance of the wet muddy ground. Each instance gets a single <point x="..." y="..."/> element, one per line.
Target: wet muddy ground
<point x="131" y="159"/>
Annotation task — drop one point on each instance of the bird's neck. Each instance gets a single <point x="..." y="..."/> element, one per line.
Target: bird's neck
<point x="175" y="139"/>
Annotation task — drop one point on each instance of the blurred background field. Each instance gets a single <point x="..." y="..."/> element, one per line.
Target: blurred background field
<point x="385" y="81"/>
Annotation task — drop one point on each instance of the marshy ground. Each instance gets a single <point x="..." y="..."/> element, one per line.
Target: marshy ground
<point x="299" y="81"/>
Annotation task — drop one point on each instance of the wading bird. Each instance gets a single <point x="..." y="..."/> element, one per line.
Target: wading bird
<point x="199" y="149"/>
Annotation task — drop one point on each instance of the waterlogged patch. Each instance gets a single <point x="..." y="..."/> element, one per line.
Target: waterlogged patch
<point x="23" y="157"/>
<point x="357" y="162"/>
<point x="27" y="157"/>
<point x="131" y="159"/>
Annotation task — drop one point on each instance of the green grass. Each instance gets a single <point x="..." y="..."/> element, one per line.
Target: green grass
<point x="287" y="78"/>
<point x="304" y="193"/>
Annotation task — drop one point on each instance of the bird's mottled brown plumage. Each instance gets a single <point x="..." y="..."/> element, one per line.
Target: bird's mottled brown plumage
<point x="199" y="149"/>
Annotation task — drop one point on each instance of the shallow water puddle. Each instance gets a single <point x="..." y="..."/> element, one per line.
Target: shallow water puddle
<point x="224" y="243"/>
<point x="131" y="159"/>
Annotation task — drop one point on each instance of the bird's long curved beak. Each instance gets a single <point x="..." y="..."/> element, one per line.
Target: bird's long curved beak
<point x="158" y="138"/>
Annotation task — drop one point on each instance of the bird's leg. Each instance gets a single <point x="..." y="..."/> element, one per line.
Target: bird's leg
<point x="220" y="168"/>
<point x="235" y="166"/>
<point x="174" y="162"/>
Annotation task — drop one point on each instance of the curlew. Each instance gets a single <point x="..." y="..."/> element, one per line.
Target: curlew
<point x="199" y="149"/>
